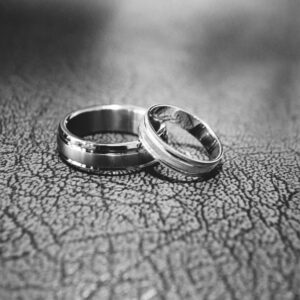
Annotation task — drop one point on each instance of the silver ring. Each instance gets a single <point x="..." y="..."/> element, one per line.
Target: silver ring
<point x="96" y="157"/>
<point x="167" y="155"/>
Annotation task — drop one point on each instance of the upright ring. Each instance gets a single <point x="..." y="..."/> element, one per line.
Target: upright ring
<point x="167" y="155"/>
<point x="96" y="157"/>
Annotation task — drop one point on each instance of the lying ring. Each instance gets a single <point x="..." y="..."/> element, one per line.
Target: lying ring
<point x="158" y="147"/>
<point x="95" y="157"/>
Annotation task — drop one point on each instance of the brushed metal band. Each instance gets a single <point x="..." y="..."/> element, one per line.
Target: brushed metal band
<point x="167" y="155"/>
<point x="96" y="157"/>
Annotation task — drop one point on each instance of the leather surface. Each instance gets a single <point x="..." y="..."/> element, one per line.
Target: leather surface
<point x="151" y="235"/>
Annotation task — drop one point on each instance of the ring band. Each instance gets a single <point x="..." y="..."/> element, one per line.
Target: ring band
<point x="167" y="155"/>
<point x="96" y="157"/>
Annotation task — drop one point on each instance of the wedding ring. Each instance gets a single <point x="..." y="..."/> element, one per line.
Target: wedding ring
<point x="96" y="157"/>
<point x="158" y="147"/>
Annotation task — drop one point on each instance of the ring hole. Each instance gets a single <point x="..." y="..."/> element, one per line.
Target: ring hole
<point x="111" y="137"/>
<point x="184" y="142"/>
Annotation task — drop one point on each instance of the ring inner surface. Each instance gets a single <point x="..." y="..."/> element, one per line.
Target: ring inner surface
<point x="189" y="123"/>
<point x="104" y="120"/>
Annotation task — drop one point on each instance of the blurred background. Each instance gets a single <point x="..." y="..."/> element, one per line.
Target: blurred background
<point x="152" y="52"/>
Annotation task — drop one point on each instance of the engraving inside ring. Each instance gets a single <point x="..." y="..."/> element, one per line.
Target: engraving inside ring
<point x="186" y="134"/>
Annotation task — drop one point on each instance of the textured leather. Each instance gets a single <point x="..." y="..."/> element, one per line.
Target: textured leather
<point x="65" y="234"/>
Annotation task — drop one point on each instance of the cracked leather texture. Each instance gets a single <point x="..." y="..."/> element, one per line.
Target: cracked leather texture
<point x="65" y="234"/>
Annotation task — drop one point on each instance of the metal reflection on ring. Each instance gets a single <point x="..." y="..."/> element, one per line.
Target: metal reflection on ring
<point x="169" y="156"/>
<point x="96" y="157"/>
